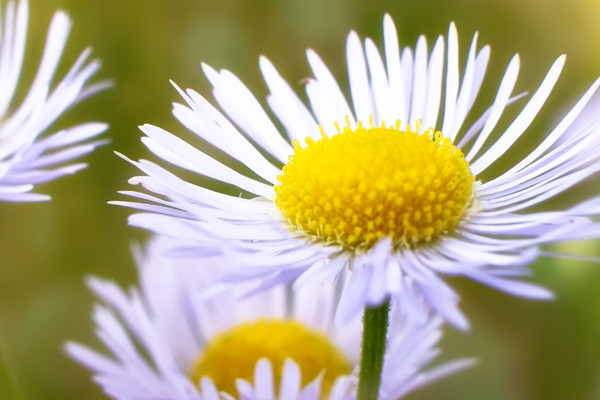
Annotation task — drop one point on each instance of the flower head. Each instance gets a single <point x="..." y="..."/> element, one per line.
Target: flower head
<point x="166" y="341"/>
<point x="385" y="196"/>
<point x="28" y="155"/>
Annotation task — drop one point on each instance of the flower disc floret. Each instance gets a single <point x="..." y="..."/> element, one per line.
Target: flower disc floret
<point x="233" y="354"/>
<point x="363" y="184"/>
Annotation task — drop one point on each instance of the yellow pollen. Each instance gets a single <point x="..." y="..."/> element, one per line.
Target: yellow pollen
<point x="358" y="186"/>
<point x="234" y="353"/>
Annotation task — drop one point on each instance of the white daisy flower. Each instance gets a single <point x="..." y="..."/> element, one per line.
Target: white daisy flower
<point x="388" y="191"/>
<point x="29" y="155"/>
<point x="166" y="342"/>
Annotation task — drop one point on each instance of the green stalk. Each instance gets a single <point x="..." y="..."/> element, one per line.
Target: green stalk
<point x="375" y="326"/>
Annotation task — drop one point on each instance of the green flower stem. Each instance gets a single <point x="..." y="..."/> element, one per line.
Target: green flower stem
<point x="375" y="326"/>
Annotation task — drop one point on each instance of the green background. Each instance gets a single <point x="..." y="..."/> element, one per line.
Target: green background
<point x="526" y="350"/>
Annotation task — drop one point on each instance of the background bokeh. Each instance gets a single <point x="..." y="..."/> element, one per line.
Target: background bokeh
<point x="526" y="350"/>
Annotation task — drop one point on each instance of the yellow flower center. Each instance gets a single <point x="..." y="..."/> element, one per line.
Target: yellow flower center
<point x="233" y="354"/>
<point x="358" y="186"/>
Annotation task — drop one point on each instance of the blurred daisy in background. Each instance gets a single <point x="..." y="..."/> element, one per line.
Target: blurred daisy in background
<point x="28" y="154"/>
<point x="165" y="341"/>
<point x="388" y="191"/>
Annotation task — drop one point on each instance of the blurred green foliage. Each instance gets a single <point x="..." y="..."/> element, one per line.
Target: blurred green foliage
<point x="527" y="350"/>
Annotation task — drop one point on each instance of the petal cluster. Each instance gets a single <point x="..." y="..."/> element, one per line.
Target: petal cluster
<point x="29" y="154"/>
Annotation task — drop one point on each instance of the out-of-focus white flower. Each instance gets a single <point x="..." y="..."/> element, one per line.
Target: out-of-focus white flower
<point x="29" y="155"/>
<point x="166" y="341"/>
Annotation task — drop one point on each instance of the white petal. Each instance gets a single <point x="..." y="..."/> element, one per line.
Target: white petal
<point x="330" y="87"/>
<point x="243" y="108"/>
<point x="419" y="87"/>
<point x="379" y="83"/>
<point x="522" y="121"/>
<point x="451" y="80"/>
<point x="290" y="381"/>
<point x="434" y="84"/>
<point x="500" y="102"/>
<point x="394" y="69"/>
<point x="359" y="82"/>
<point x="287" y="106"/>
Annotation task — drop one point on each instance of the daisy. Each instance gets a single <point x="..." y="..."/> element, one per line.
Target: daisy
<point x="388" y="191"/>
<point x="166" y="342"/>
<point x="28" y="154"/>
